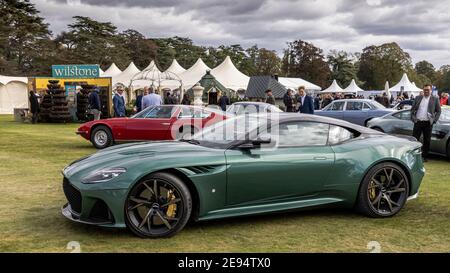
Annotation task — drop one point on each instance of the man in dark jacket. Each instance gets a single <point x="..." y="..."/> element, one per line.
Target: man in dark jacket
<point x="34" y="107"/>
<point x="95" y="107"/>
<point x="138" y="103"/>
<point x="425" y="112"/>
<point x="119" y="103"/>
<point x="288" y="101"/>
<point x="317" y="100"/>
<point x="305" y="103"/>
<point x="223" y="102"/>
<point x="270" y="99"/>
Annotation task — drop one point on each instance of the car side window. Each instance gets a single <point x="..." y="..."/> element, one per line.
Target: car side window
<point x="354" y="106"/>
<point x="338" y="135"/>
<point x="161" y="112"/>
<point x="298" y="134"/>
<point x="337" y="106"/>
<point x="405" y="115"/>
<point x="188" y="112"/>
<point x="366" y="106"/>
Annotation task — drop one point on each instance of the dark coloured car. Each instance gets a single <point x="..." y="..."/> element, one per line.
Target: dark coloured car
<point x="357" y="111"/>
<point x="246" y="165"/>
<point x="399" y="123"/>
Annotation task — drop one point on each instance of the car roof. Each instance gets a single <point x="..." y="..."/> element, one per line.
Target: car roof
<point x="252" y="102"/>
<point x="286" y="117"/>
<point x="356" y="100"/>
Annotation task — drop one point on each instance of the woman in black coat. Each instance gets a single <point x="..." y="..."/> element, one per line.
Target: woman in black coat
<point x="34" y="107"/>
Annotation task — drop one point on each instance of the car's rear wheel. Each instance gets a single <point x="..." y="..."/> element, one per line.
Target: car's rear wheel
<point x="158" y="206"/>
<point x="384" y="191"/>
<point x="101" y="137"/>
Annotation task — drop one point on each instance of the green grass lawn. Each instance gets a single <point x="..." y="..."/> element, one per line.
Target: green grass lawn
<point x="32" y="156"/>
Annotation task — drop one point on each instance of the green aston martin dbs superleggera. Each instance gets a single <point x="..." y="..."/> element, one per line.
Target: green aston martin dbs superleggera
<point x="250" y="164"/>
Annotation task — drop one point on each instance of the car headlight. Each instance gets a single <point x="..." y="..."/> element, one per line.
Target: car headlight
<point x="103" y="175"/>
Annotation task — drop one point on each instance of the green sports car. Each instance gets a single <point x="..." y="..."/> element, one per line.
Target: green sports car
<point x="250" y="164"/>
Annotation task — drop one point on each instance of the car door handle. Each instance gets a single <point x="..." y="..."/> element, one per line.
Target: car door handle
<point x="165" y="123"/>
<point x="320" y="158"/>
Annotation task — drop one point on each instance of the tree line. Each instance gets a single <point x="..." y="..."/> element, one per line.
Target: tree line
<point x="28" y="48"/>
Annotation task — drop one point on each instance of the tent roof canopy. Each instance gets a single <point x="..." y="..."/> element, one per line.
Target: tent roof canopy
<point x="7" y="79"/>
<point x="193" y="75"/>
<point x="152" y="76"/>
<point x="227" y="74"/>
<point x="295" y="83"/>
<point x="126" y="76"/>
<point x="112" y="71"/>
<point x="405" y="85"/>
<point x="334" y="88"/>
<point x="175" y="67"/>
<point x="353" y="88"/>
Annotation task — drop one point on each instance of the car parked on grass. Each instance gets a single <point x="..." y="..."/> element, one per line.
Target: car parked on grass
<point x="399" y="123"/>
<point x="164" y="122"/>
<point x="257" y="167"/>
<point x="357" y="111"/>
<point x="251" y="107"/>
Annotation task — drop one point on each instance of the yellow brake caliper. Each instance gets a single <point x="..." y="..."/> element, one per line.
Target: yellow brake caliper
<point x="171" y="209"/>
<point x="372" y="193"/>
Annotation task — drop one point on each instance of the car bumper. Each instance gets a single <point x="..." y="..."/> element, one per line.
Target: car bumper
<point x="412" y="197"/>
<point x="87" y="205"/>
<point x="84" y="134"/>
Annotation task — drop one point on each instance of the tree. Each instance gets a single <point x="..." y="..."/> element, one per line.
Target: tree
<point x="22" y="34"/>
<point x="304" y="60"/>
<point x="443" y="78"/>
<point x="426" y="69"/>
<point x="89" y="41"/>
<point x="141" y="50"/>
<point x="378" y="64"/>
<point x="264" y="61"/>
<point x="343" y="68"/>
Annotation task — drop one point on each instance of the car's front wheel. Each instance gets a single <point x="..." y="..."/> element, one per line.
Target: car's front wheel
<point x="101" y="137"/>
<point x="384" y="191"/>
<point x="158" y="206"/>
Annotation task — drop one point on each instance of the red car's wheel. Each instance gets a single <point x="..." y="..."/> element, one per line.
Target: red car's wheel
<point x="101" y="137"/>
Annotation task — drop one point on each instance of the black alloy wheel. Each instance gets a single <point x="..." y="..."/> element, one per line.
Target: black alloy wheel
<point x="158" y="206"/>
<point x="384" y="191"/>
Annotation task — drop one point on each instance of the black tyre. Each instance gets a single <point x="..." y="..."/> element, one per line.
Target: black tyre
<point x="158" y="206"/>
<point x="384" y="191"/>
<point x="448" y="150"/>
<point x="101" y="137"/>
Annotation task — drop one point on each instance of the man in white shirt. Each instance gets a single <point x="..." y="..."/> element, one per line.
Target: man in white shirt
<point x="425" y="112"/>
<point x="151" y="99"/>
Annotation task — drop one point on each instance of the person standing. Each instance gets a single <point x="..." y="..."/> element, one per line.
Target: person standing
<point x="186" y="100"/>
<point x="223" y="102"/>
<point x="151" y="99"/>
<point x="138" y="104"/>
<point x="95" y="108"/>
<point x="34" y="107"/>
<point x="425" y="112"/>
<point x="288" y="101"/>
<point x="270" y="99"/>
<point x="119" y="103"/>
<point x="444" y="99"/>
<point x="305" y="103"/>
<point x="327" y="100"/>
<point x="317" y="100"/>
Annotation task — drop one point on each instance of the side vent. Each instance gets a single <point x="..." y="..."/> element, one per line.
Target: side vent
<point x="202" y="169"/>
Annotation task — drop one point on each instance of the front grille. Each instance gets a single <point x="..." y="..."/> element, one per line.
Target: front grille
<point x="100" y="212"/>
<point x="73" y="195"/>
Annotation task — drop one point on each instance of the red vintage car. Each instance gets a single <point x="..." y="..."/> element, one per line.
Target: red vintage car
<point x="164" y="122"/>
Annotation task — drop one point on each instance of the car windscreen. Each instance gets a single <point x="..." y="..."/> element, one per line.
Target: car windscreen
<point x="445" y="115"/>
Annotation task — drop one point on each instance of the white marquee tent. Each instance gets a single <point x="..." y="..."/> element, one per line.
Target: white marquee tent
<point x="229" y="76"/>
<point x="295" y="83"/>
<point x="175" y="68"/>
<point x="125" y="77"/>
<point x="13" y="93"/>
<point x="334" y="88"/>
<point x="353" y="88"/>
<point x="194" y="74"/>
<point x="112" y="71"/>
<point x="405" y="86"/>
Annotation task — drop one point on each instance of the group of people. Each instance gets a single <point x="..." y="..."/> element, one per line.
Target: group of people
<point x="300" y="102"/>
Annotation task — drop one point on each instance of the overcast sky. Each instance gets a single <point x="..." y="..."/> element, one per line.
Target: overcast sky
<point x="421" y="27"/>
